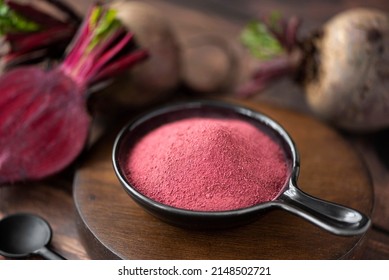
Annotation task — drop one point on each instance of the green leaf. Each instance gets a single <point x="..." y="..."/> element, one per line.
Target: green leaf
<point x="11" y="22"/>
<point x="260" y="42"/>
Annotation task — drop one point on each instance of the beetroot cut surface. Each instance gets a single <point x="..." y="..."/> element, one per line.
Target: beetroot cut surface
<point x="48" y="127"/>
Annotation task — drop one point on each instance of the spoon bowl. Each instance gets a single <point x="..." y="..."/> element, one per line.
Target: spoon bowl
<point x="22" y="235"/>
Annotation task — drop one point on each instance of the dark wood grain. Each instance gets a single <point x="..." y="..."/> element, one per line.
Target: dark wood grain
<point x="52" y="200"/>
<point x="379" y="172"/>
<point x="330" y="169"/>
<point x="377" y="245"/>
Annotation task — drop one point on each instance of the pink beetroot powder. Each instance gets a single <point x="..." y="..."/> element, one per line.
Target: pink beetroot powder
<point x="207" y="164"/>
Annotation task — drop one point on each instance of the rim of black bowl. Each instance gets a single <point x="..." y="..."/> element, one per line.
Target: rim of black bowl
<point x="179" y="106"/>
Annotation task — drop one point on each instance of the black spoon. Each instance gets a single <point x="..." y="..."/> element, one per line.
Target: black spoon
<point x="23" y="234"/>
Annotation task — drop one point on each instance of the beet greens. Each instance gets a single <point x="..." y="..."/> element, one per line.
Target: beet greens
<point x="33" y="35"/>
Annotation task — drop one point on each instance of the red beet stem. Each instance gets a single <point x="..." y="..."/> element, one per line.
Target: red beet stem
<point x="77" y="44"/>
<point x="266" y="74"/>
<point x="18" y="58"/>
<point x="276" y="28"/>
<point x="285" y="31"/>
<point x="21" y="42"/>
<point x="119" y="66"/>
<point x="98" y="57"/>
<point x="107" y="55"/>
<point x="33" y="14"/>
<point x="291" y="29"/>
<point x="100" y="49"/>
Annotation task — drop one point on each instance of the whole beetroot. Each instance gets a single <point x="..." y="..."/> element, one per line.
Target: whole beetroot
<point x="343" y="68"/>
<point x="351" y="83"/>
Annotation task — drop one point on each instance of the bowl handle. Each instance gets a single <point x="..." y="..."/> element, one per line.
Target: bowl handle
<point x="330" y="216"/>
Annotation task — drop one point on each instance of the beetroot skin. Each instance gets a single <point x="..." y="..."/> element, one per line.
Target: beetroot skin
<point x="48" y="127"/>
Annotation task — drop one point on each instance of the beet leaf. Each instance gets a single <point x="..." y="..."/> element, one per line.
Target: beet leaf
<point x="34" y="35"/>
<point x="273" y="41"/>
<point x="11" y="21"/>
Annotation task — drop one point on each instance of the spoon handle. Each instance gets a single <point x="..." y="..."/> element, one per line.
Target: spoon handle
<point x="49" y="254"/>
<point x="330" y="216"/>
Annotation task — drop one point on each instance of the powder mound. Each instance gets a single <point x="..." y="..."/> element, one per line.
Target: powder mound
<point x="208" y="164"/>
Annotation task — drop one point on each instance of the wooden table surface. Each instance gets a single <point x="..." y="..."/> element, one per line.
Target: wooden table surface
<point x="53" y="198"/>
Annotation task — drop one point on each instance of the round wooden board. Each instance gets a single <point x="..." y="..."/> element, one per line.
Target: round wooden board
<point x="112" y="226"/>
